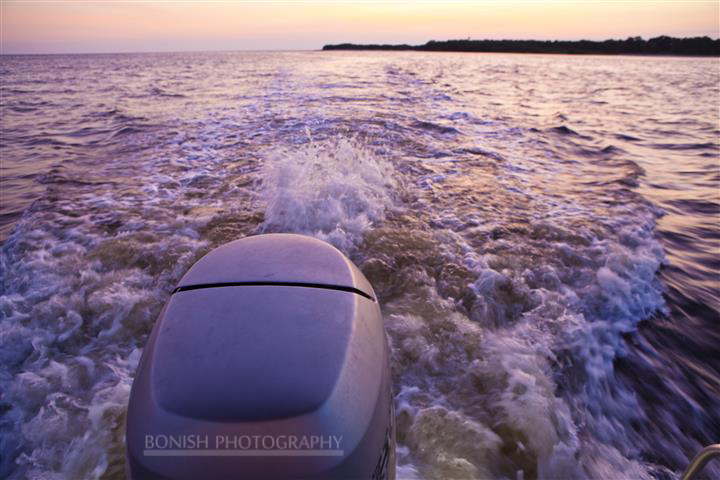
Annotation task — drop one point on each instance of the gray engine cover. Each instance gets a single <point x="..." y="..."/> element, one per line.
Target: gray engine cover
<point x="266" y="339"/>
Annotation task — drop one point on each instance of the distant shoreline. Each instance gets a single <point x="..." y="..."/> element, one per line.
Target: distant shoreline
<point x="664" y="45"/>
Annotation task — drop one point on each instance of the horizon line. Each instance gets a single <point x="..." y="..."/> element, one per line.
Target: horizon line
<point x="120" y="52"/>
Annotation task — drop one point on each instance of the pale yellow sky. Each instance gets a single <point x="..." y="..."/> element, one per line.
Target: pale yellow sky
<point x="30" y="26"/>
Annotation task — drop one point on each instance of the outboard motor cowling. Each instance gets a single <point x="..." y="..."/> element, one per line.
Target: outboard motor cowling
<point x="269" y="360"/>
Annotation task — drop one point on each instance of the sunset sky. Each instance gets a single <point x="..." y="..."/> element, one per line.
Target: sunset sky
<point x="134" y="26"/>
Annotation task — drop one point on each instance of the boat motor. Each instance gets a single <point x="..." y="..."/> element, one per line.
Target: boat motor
<point x="269" y="360"/>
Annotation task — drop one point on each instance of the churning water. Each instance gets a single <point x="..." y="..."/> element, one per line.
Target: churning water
<point x="543" y="233"/>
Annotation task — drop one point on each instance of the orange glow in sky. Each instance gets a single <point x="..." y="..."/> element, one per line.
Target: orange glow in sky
<point x="132" y="25"/>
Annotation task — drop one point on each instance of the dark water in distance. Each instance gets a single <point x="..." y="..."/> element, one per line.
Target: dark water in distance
<point x="542" y="231"/>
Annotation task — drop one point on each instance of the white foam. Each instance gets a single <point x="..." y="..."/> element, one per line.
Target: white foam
<point x="334" y="190"/>
<point x="553" y="304"/>
<point x="83" y="279"/>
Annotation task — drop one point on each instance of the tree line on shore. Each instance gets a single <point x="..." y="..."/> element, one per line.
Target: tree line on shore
<point x="662" y="45"/>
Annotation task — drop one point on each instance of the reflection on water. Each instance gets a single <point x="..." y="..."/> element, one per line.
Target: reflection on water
<point x="542" y="232"/>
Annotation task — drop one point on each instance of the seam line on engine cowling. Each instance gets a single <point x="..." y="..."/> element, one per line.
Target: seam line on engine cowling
<point x="200" y="286"/>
